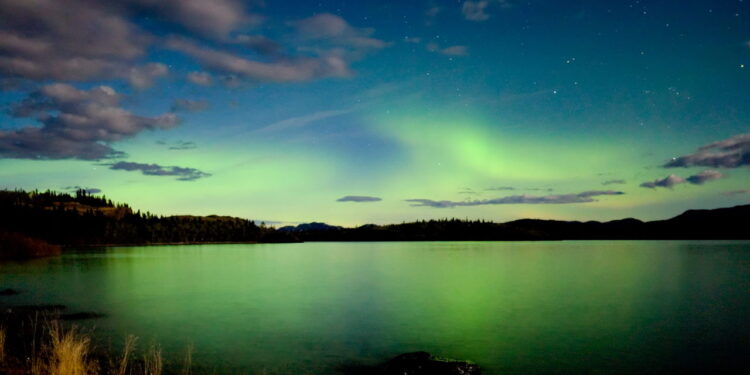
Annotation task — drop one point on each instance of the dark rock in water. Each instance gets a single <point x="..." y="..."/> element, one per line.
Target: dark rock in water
<point x="81" y="316"/>
<point x="423" y="363"/>
<point x="36" y="308"/>
<point x="8" y="292"/>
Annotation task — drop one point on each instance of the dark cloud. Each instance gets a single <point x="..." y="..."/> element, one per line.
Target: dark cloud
<point x="88" y="190"/>
<point x="469" y="192"/>
<point x="187" y="105"/>
<point x="182" y="173"/>
<point x="260" y="44"/>
<point x="584" y="197"/>
<point x="736" y="192"/>
<point x="329" y="45"/>
<point x="540" y="189"/>
<point x="66" y="40"/>
<point x="215" y="18"/>
<point x="78" y="124"/>
<point x="614" y="182"/>
<point x="672" y="180"/>
<point x="181" y="145"/>
<point x="85" y="40"/>
<point x="142" y="77"/>
<point x="666" y="182"/>
<point x="501" y="188"/>
<point x="733" y="152"/>
<point x="358" y="199"/>
<point x="328" y="64"/>
<point x="702" y="177"/>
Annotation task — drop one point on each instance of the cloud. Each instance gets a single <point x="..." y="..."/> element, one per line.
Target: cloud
<point x="501" y="188"/>
<point x="584" y="197"/>
<point x="260" y="44"/>
<point x="182" y="145"/>
<point x="358" y="199"/>
<point x="330" y="64"/>
<point x="86" y="40"/>
<point x="733" y="152"/>
<point x="200" y="78"/>
<point x="702" y="177"/>
<point x="672" y="180"/>
<point x="215" y="18"/>
<point x="666" y="182"/>
<point x="455" y="51"/>
<point x="433" y="11"/>
<point x="613" y="182"/>
<point x="413" y="40"/>
<point x="475" y="10"/>
<point x="448" y="51"/>
<point x="142" y="77"/>
<point x="301" y="121"/>
<point x="736" y="192"/>
<point x="330" y="27"/>
<point x="86" y="189"/>
<point x="469" y="191"/>
<point x="182" y="173"/>
<point x="78" y="124"/>
<point x="66" y="40"/>
<point x="187" y="105"/>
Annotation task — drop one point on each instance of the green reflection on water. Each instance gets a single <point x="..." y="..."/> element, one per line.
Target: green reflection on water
<point x="515" y="308"/>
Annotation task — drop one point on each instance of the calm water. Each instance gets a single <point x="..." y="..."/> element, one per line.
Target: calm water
<point x="609" y="307"/>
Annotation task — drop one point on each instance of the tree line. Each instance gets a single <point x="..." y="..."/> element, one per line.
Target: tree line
<point x="85" y="219"/>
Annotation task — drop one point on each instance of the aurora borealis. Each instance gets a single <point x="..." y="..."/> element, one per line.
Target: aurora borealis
<point x="380" y="112"/>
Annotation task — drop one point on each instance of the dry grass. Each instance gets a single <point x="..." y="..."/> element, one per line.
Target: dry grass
<point x="152" y="361"/>
<point x="188" y="364"/>
<point x="127" y="350"/>
<point x="2" y="344"/>
<point x="68" y="353"/>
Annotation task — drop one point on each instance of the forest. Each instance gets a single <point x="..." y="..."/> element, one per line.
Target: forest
<point x="84" y="219"/>
<point x="41" y="222"/>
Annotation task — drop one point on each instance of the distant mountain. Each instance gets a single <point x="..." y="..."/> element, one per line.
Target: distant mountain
<point x="722" y="223"/>
<point x="312" y="227"/>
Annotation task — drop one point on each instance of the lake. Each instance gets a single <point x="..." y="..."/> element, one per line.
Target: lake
<point x="572" y="307"/>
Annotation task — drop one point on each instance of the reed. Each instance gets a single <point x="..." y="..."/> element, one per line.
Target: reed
<point x="152" y="361"/>
<point x="2" y="344"/>
<point x="127" y="350"/>
<point x="68" y="352"/>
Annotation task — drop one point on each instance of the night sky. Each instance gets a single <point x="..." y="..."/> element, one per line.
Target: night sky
<point x="354" y="112"/>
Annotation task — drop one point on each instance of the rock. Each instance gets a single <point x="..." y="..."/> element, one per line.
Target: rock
<point x="8" y="292"/>
<point x="423" y="363"/>
<point x="81" y="316"/>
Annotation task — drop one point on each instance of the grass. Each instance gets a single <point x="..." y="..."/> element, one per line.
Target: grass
<point x="152" y="361"/>
<point x="69" y="353"/>
<point x="59" y="350"/>
<point x="127" y="350"/>
<point x="2" y="344"/>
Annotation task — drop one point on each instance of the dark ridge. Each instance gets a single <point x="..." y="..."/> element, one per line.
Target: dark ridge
<point x="37" y="223"/>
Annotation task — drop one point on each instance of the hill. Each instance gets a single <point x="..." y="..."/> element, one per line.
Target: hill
<point x="40" y="221"/>
<point x="83" y="219"/>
